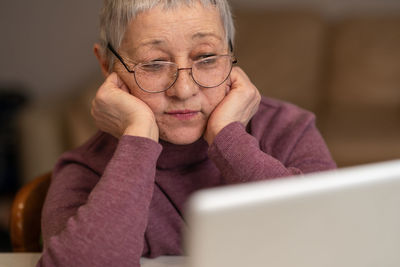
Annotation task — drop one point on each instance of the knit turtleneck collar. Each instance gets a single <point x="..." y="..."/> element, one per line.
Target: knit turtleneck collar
<point x="178" y="156"/>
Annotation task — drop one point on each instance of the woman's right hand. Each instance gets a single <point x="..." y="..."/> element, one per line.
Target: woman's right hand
<point x="118" y="113"/>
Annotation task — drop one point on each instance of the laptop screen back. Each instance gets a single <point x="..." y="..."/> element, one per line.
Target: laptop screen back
<point x="347" y="217"/>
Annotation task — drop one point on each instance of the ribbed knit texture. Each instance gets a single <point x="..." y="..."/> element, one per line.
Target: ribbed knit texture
<point x="112" y="201"/>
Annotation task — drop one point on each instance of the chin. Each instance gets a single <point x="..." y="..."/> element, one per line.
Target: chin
<point x="182" y="138"/>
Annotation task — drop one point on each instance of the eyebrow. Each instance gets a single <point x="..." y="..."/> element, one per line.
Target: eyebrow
<point x="200" y="35"/>
<point x="197" y="35"/>
<point x="152" y="42"/>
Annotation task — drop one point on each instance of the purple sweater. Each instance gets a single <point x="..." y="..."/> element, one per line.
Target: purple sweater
<point x="112" y="201"/>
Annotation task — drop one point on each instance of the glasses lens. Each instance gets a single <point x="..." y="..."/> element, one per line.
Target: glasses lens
<point x="212" y="71"/>
<point x="155" y="76"/>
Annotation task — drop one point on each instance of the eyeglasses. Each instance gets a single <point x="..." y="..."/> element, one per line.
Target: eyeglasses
<point x="159" y="76"/>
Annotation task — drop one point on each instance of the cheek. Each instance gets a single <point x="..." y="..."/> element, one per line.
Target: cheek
<point x="214" y="96"/>
<point x="153" y="101"/>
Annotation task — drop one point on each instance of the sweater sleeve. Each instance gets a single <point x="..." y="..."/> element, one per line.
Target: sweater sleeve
<point x="89" y="220"/>
<point x="239" y="157"/>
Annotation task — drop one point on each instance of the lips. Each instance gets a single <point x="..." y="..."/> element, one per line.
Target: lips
<point x="183" y="114"/>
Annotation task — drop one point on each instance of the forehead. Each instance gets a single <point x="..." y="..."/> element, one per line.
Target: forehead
<point x="184" y="23"/>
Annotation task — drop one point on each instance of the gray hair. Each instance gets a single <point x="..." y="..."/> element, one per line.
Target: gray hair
<point x="116" y="15"/>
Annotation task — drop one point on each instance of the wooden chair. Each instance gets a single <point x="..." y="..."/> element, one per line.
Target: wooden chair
<point x="25" y="230"/>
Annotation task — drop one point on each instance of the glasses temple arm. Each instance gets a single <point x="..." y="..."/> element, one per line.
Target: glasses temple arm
<point x="109" y="46"/>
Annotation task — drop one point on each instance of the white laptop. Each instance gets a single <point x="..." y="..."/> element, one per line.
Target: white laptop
<point x="344" y="218"/>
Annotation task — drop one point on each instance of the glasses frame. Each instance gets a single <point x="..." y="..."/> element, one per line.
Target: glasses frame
<point x="111" y="48"/>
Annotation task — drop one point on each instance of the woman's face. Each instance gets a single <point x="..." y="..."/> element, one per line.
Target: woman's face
<point x="181" y="35"/>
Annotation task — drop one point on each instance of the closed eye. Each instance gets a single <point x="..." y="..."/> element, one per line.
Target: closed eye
<point x="158" y="60"/>
<point x="208" y="60"/>
<point x="205" y="56"/>
<point x="154" y="66"/>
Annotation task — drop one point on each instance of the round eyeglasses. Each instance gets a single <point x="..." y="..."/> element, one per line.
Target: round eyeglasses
<point x="159" y="76"/>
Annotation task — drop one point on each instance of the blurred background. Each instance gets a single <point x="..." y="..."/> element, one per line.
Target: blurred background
<point x="337" y="58"/>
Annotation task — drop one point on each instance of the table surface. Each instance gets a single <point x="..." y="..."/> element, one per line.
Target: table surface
<point x="30" y="260"/>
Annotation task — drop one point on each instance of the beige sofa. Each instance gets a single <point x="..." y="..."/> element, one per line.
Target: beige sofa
<point x="346" y="71"/>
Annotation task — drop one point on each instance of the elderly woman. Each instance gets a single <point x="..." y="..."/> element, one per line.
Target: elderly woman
<point x="176" y="115"/>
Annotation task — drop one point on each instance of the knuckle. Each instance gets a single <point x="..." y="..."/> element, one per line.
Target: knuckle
<point x="258" y="96"/>
<point x="93" y="112"/>
<point x="249" y="93"/>
<point x="93" y="103"/>
<point x="100" y="95"/>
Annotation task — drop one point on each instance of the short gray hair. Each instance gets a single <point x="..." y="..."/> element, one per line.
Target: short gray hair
<point x="116" y="15"/>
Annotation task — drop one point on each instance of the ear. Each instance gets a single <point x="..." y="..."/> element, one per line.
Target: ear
<point x="102" y="60"/>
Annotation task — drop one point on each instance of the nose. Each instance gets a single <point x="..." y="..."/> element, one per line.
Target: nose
<point x="184" y="87"/>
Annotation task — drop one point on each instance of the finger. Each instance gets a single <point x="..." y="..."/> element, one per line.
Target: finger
<point x="116" y="81"/>
<point x="112" y="79"/>
<point x="238" y="78"/>
<point x="242" y="84"/>
<point x="122" y="85"/>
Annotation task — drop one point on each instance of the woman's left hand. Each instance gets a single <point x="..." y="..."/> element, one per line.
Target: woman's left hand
<point x="239" y="105"/>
